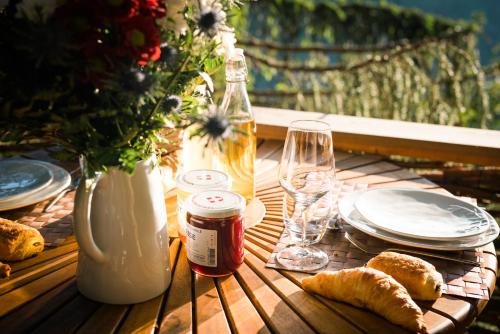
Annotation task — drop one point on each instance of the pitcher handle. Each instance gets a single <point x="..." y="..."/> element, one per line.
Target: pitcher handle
<point x="83" y="229"/>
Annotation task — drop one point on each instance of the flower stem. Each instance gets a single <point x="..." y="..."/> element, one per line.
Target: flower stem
<point x="155" y="109"/>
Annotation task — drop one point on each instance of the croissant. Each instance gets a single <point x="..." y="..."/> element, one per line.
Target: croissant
<point x="18" y="241"/>
<point x="372" y="289"/>
<point x="419" y="277"/>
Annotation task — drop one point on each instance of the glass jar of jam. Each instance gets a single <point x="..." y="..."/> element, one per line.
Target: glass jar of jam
<point x="195" y="181"/>
<point x="215" y="232"/>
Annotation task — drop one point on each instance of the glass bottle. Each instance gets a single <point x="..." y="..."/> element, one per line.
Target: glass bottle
<point x="238" y="156"/>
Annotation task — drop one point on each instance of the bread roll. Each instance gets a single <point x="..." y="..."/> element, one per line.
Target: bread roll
<point x="18" y="241"/>
<point x="419" y="277"/>
<point x="4" y="270"/>
<point x="371" y="289"/>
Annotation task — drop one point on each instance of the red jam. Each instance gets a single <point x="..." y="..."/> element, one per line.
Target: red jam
<point x="214" y="232"/>
<point x="229" y="252"/>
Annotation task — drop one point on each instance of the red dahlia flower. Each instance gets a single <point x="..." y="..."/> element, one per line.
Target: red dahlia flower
<point x="142" y="39"/>
<point x="155" y="8"/>
<point x="116" y="9"/>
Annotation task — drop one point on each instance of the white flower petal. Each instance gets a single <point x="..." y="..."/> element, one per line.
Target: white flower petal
<point x="208" y="80"/>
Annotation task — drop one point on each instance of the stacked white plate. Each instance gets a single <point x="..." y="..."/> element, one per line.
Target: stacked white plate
<point x="24" y="182"/>
<point x="418" y="218"/>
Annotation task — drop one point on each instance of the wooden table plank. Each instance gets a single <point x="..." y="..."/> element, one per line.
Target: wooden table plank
<point x="415" y="183"/>
<point x="357" y="161"/>
<point x="391" y="176"/>
<point x="264" y="225"/>
<point x="106" y="319"/>
<point x="437" y="323"/>
<point x="275" y="312"/>
<point x="456" y="309"/>
<point x="266" y="149"/>
<point x="268" y="246"/>
<point x="368" y="321"/>
<point x="13" y="299"/>
<point x="22" y="277"/>
<point x="309" y="308"/>
<point x="236" y="303"/>
<point x="28" y="316"/>
<point x="210" y="316"/>
<point x="266" y="165"/>
<point x="68" y="318"/>
<point x="177" y="313"/>
<point x="46" y="255"/>
<point x="271" y="233"/>
<point x="264" y="237"/>
<point x="268" y="174"/>
<point x="142" y="317"/>
<point x="377" y="167"/>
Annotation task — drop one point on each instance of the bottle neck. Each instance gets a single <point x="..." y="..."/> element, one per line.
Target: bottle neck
<point x="236" y="102"/>
<point x="235" y="86"/>
<point x="236" y="69"/>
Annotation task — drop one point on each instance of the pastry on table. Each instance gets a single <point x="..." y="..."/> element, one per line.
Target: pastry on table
<point x="18" y="241"/>
<point x="372" y="289"/>
<point x="419" y="277"/>
<point x="4" y="270"/>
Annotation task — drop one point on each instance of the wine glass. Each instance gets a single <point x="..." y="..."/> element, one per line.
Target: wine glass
<point x="306" y="173"/>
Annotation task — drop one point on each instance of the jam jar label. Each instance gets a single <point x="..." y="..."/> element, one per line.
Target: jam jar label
<point x="201" y="246"/>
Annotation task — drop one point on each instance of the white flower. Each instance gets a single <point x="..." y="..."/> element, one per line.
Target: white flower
<point x="225" y="43"/>
<point x="212" y="18"/>
<point x="202" y="93"/>
<point x="175" y="18"/>
<point x="208" y="81"/>
<point x="36" y="10"/>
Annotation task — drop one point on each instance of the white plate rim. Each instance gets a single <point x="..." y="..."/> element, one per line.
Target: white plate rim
<point x="61" y="180"/>
<point x="421" y="236"/>
<point x="365" y="227"/>
<point x="32" y="190"/>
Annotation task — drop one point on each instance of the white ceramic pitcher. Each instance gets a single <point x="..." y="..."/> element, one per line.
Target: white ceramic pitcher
<point x="121" y="228"/>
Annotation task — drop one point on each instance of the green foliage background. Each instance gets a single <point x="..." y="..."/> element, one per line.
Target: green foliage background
<point x="366" y="59"/>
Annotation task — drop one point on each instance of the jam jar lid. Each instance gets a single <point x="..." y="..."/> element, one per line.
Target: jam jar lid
<point x="215" y="204"/>
<point x="203" y="179"/>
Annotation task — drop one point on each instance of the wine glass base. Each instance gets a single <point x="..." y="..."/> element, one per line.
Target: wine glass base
<point x="302" y="259"/>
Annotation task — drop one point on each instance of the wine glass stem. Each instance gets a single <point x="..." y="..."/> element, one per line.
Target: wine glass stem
<point x="304" y="225"/>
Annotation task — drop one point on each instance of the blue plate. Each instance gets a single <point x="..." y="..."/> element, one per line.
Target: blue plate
<point x="19" y="178"/>
<point x="61" y="179"/>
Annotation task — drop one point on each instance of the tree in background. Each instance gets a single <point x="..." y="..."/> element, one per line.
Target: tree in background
<point x="365" y="59"/>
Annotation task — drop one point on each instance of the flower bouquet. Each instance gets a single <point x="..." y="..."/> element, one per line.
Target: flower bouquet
<point x="102" y="77"/>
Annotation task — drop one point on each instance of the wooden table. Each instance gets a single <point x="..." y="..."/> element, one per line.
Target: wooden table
<point x="41" y="295"/>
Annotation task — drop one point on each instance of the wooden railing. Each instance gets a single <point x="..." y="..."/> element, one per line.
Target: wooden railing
<point x="390" y="137"/>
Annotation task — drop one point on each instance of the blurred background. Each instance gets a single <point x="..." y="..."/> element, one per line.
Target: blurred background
<point x="422" y="61"/>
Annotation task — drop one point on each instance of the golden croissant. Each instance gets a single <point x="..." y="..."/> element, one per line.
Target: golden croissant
<point x="18" y="241"/>
<point x="372" y="289"/>
<point x="419" y="277"/>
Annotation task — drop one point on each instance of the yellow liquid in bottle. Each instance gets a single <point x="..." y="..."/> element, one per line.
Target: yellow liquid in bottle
<point x="238" y="158"/>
